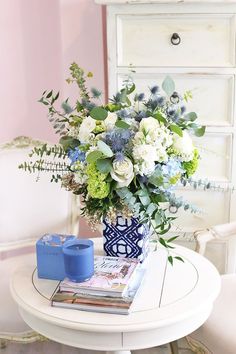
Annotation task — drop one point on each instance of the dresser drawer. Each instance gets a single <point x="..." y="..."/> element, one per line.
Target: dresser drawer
<point x="176" y="40"/>
<point x="213" y="95"/>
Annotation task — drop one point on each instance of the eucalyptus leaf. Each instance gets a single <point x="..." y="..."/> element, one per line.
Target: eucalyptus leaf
<point x="104" y="148"/>
<point x="168" y="85"/>
<point x="98" y="113"/>
<point x="123" y="95"/>
<point x="131" y="89"/>
<point x="151" y="208"/>
<point x="176" y="129"/>
<point x="68" y="142"/>
<point x="122" y="124"/>
<point x="104" y="165"/>
<point x="93" y="156"/>
<point x="122" y="192"/>
<point x="156" y="178"/>
<point x="192" y="116"/>
<point x="158" y="218"/>
<point x="145" y="200"/>
<point x="200" y="131"/>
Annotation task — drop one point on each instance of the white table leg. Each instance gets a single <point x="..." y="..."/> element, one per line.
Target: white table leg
<point x="119" y="352"/>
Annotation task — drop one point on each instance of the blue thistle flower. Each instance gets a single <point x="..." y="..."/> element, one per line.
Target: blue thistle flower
<point x="123" y="113"/>
<point x="154" y="89"/>
<point x="117" y="139"/>
<point x="139" y="97"/>
<point x="161" y="101"/>
<point x="119" y="156"/>
<point x="88" y="105"/>
<point x="95" y="92"/>
<point x="183" y="109"/>
<point x="140" y="115"/>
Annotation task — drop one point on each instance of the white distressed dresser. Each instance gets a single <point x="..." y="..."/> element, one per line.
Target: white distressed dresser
<point x="194" y="43"/>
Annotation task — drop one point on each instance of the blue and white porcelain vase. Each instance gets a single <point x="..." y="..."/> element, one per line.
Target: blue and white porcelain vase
<point x="126" y="238"/>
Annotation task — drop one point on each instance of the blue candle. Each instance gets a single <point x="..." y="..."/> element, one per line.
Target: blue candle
<point x="79" y="259"/>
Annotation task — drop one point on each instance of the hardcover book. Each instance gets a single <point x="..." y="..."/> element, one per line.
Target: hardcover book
<point x="111" y="277"/>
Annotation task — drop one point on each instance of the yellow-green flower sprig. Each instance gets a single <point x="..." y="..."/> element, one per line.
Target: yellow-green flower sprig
<point x="97" y="186"/>
<point x="191" y="166"/>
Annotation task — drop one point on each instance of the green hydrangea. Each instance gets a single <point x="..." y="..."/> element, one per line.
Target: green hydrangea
<point x="97" y="187"/>
<point x="99" y="128"/>
<point x="191" y="166"/>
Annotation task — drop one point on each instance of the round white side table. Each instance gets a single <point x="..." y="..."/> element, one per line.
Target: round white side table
<point x="172" y="302"/>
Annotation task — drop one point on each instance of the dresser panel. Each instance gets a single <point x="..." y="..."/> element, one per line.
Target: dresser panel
<point x="148" y="40"/>
<point x="215" y="151"/>
<point x="212" y="94"/>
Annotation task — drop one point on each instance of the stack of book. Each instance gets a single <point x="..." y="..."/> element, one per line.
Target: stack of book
<point x="111" y="289"/>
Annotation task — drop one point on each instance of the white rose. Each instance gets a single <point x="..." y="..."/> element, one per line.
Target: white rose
<point x="87" y="126"/>
<point x="145" y="152"/>
<point x="122" y="172"/>
<point x="85" y="137"/>
<point x="110" y="121"/>
<point x="183" y="146"/>
<point x="149" y="124"/>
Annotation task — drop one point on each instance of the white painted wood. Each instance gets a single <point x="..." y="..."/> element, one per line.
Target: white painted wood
<point x="212" y="94"/>
<point x="139" y="32"/>
<point x="173" y="315"/>
<point x="119" y="352"/>
<point x="146" y="40"/>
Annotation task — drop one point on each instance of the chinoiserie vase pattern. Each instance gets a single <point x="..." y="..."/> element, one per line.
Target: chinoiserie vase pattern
<point x="126" y="238"/>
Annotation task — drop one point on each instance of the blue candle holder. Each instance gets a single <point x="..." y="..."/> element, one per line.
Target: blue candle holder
<point x="79" y="259"/>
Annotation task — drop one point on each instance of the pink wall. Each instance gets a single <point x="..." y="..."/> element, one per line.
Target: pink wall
<point x="39" y="39"/>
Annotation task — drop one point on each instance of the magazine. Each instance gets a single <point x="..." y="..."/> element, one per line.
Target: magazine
<point x="111" y="277"/>
<point x="97" y="303"/>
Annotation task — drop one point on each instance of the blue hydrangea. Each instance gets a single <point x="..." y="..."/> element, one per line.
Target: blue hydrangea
<point x="76" y="155"/>
<point x="172" y="168"/>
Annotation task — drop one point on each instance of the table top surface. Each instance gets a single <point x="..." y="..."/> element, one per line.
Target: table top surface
<point x="168" y="295"/>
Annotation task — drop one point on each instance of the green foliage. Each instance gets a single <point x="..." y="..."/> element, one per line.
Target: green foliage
<point x="104" y="148"/>
<point x="121" y="124"/>
<point x="174" y="128"/>
<point x="68" y="142"/>
<point x="168" y="85"/>
<point x="104" y="165"/>
<point x="98" y="113"/>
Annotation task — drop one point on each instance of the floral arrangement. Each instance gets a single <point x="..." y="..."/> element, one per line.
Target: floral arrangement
<point x="125" y="157"/>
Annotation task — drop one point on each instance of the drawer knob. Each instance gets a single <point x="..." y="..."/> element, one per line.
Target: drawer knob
<point x="175" y="39"/>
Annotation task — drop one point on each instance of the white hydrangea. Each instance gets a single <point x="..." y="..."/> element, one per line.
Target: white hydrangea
<point x="150" y="144"/>
<point x="144" y="168"/>
<point x="80" y="175"/>
<point x="183" y="146"/>
<point x="85" y="131"/>
<point x="145" y="152"/>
